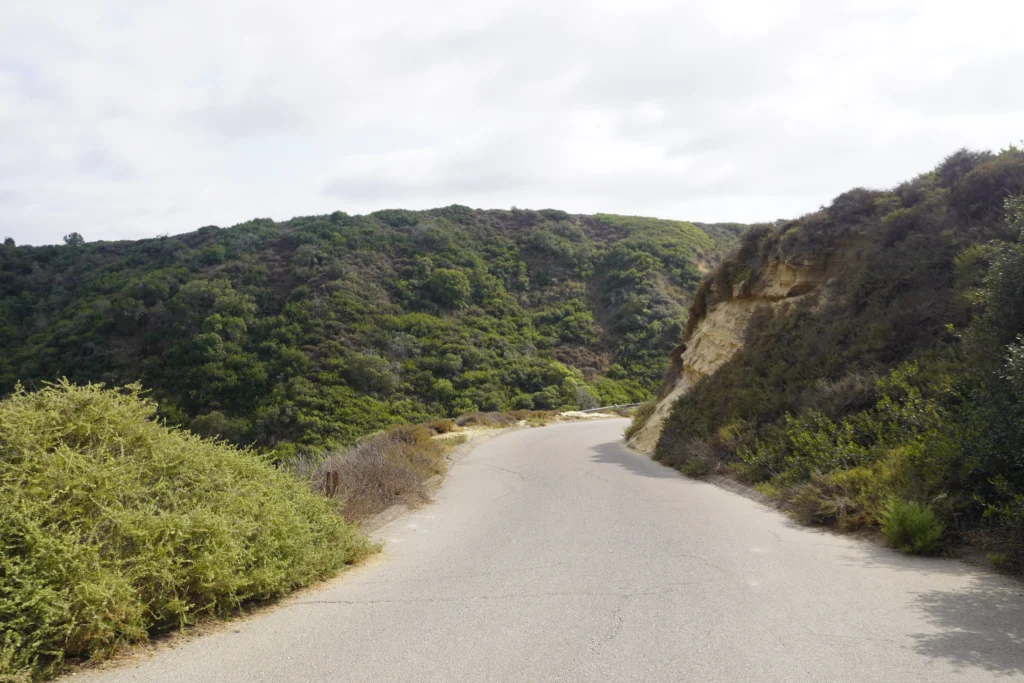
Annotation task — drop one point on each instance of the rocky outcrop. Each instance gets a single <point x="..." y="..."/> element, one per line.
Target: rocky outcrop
<point x="723" y="310"/>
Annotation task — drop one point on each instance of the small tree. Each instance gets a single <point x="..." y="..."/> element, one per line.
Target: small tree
<point x="450" y="287"/>
<point x="585" y="399"/>
<point x="371" y="374"/>
<point x="74" y="240"/>
<point x="9" y="242"/>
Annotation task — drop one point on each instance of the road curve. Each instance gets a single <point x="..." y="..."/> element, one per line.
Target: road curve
<point x="557" y="555"/>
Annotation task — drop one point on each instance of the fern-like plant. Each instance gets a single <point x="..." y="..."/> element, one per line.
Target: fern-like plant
<point x="911" y="527"/>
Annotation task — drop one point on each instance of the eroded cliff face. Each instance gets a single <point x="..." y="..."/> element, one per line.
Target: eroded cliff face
<point x="719" y="322"/>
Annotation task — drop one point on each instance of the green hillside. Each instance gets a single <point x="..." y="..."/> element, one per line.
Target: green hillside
<point x="312" y="332"/>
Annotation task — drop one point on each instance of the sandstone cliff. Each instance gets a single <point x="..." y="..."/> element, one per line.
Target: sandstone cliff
<point x="723" y="308"/>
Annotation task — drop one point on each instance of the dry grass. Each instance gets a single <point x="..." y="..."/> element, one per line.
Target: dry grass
<point x="442" y="426"/>
<point x="395" y="466"/>
<point x="534" y="418"/>
<point x="385" y="469"/>
<point x="489" y="420"/>
<point x="450" y="441"/>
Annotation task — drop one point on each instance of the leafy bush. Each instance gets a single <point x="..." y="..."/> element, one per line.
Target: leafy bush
<point x="450" y="287"/>
<point x="1008" y="518"/>
<point x="812" y="443"/>
<point x="694" y="468"/>
<point x="114" y="527"/>
<point x="847" y="499"/>
<point x="911" y="527"/>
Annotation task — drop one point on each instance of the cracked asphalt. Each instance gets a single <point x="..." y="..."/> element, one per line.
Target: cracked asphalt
<point x="556" y="554"/>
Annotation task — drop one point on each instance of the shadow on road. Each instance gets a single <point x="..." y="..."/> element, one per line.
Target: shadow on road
<point x="614" y="453"/>
<point x="982" y="625"/>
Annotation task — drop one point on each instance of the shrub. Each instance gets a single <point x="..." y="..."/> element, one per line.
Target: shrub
<point x="382" y="470"/>
<point x="585" y="399"/>
<point x="697" y="458"/>
<point x="847" y="499"/>
<point x="694" y="468"/>
<point x="473" y="419"/>
<point x="114" y="527"/>
<point x="640" y="417"/>
<point x="454" y="441"/>
<point x="979" y="194"/>
<point x="491" y="420"/>
<point x="1008" y="516"/>
<point x="539" y="418"/>
<point x="804" y="445"/>
<point x="911" y="527"/>
<point x="516" y="416"/>
<point x="442" y="426"/>
<point x="450" y="288"/>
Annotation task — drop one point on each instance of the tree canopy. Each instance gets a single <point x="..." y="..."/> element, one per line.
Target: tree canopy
<point x="312" y="332"/>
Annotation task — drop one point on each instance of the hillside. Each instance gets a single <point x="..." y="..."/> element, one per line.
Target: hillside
<point x="312" y="332"/>
<point x="864" y="354"/>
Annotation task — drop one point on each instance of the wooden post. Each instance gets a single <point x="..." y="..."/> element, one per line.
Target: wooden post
<point x="333" y="483"/>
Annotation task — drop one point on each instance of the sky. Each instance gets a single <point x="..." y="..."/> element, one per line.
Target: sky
<point x="123" y="119"/>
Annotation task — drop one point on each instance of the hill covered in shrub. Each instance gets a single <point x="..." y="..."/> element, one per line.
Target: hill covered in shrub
<point x="309" y="333"/>
<point x="879" y="378"/>
<point x="114" y="527"/>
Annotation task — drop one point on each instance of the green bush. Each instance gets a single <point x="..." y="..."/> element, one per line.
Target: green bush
<point x="694" y="468"/>
<point x="911" y="527"/>
<point x="640" y="417"/>
<point x="847" y="499"/>
<point x="1008" y="517"/>
<point x="450" y="287"/>
<point x="114" y="527"/>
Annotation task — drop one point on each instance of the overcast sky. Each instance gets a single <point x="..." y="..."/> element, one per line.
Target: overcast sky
<point x="133" y="118"/>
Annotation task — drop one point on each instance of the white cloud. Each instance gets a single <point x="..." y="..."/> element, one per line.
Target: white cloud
<point x="128" y="119"/>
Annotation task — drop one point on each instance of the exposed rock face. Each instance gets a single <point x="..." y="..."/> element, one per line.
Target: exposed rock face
<point x="719" y="322"/>
<point x="718" y="336"/>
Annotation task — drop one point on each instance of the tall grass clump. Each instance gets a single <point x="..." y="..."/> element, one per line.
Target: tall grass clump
<point x="911" y="527"/>
<point x="114" y="527"/>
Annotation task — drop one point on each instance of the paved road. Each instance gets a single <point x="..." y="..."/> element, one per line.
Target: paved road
<point x="556" y="555"/>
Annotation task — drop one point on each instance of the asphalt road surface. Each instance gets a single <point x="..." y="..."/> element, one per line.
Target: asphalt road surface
<point x="556" y="554"/>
